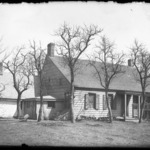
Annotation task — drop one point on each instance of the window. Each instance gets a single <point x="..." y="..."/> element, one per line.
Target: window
<point x="51" y="104"/>
<point x="91" y="101"/>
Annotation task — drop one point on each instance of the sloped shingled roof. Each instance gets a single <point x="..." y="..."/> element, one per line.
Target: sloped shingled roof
<point x="86" y="77"/>
<point x="9" y="91"/>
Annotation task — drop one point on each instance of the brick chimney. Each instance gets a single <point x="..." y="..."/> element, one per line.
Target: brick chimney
<point x="130" y="63"/>
<point x="1" y="68"/>
<point x="50" y="49"/>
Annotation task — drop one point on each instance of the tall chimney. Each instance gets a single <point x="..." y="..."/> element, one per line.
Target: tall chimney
<point x="130" y="63"/>
<point x="50" y="49"/>
<point x="1" y="68"/>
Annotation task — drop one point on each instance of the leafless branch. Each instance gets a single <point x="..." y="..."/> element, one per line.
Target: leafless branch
<point x="109" y="64"/>
<point x="17" y="66"/>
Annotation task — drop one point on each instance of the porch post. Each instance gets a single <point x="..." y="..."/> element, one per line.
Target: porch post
<point x="125" y="106"/>
<point x="139" y="106"/>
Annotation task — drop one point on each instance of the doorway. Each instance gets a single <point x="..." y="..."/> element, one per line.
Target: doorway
<point x="135" y="106"/>
<point x="30" y="109"/>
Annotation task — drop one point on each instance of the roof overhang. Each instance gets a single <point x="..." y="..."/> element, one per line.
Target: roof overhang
<point x="112" y="90"/>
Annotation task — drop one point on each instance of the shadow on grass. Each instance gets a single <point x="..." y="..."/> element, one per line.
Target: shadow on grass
<point x="51" y="124"/>
<point x="95" y="125"/>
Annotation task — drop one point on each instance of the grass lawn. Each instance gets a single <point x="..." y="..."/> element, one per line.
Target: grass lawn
<point x="83" y="133"/>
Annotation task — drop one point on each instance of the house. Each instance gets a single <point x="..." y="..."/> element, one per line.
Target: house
<point x="89" y="96"/>
<point x="29" y="103"/>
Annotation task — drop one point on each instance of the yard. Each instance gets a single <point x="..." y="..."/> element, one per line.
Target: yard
<point x="83" y="133"/>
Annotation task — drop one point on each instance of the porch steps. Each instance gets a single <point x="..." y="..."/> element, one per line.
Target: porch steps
<point x="127" y="119"/>
<point x="132" y="119"/>
<point x="64" y="115"/>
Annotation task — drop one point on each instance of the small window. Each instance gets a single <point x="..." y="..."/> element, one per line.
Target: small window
<point x="51" y="104"/>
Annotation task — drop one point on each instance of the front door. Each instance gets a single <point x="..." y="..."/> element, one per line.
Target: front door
<point x="127" y="105"/>
<point x="122" y="105"/>
<point x="135" y="106"/>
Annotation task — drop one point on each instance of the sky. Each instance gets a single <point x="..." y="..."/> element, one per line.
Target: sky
<point x="121" y="23"/>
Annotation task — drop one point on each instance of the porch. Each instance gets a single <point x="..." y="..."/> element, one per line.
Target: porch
<point x="130" y="107"/>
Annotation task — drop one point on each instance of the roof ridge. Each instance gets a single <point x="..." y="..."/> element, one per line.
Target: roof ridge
<point x="80" y="59"/>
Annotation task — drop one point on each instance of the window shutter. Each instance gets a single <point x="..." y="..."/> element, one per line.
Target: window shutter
<point x="97" y="102"/>
<point x="104" y="103"/>
<point x="110" y="101"/>
<point x="86" y="102"/>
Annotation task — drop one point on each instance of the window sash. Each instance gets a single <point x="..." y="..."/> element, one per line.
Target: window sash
<point x="91" y="101"/>
<point x="51" y="104"/>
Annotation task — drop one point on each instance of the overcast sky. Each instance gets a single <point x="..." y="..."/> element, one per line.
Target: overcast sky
<point x="122" y="23"/>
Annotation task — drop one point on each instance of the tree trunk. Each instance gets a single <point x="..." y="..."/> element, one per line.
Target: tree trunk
<point x="72" y="97"/>
<point x="18" y="110"/>
<point x="40" y="116"/>
<point x="72" y="103"/>
<point x="109" y="108"/>
<point x="142" y="108"/>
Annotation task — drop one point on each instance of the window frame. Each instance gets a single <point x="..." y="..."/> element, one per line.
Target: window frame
<point x="51" y="106"/>
<point x="94" y="103"/>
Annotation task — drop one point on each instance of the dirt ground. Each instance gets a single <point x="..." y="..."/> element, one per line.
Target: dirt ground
<point x="83" y="133"/>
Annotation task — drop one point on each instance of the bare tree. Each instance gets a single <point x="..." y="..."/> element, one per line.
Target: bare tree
<point x="107" y="65"/>
<point x="21" y="72"/>
<point x="38" y="58"/>
<point x="2" y="50"/>
<point x="2" y="59"/>
<point x="73" y="42"/>
<point x="141" y="61"/>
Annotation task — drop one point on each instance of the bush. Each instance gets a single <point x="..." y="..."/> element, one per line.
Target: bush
<point x="82" y="117"/>
<point x="103" y="119"/>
